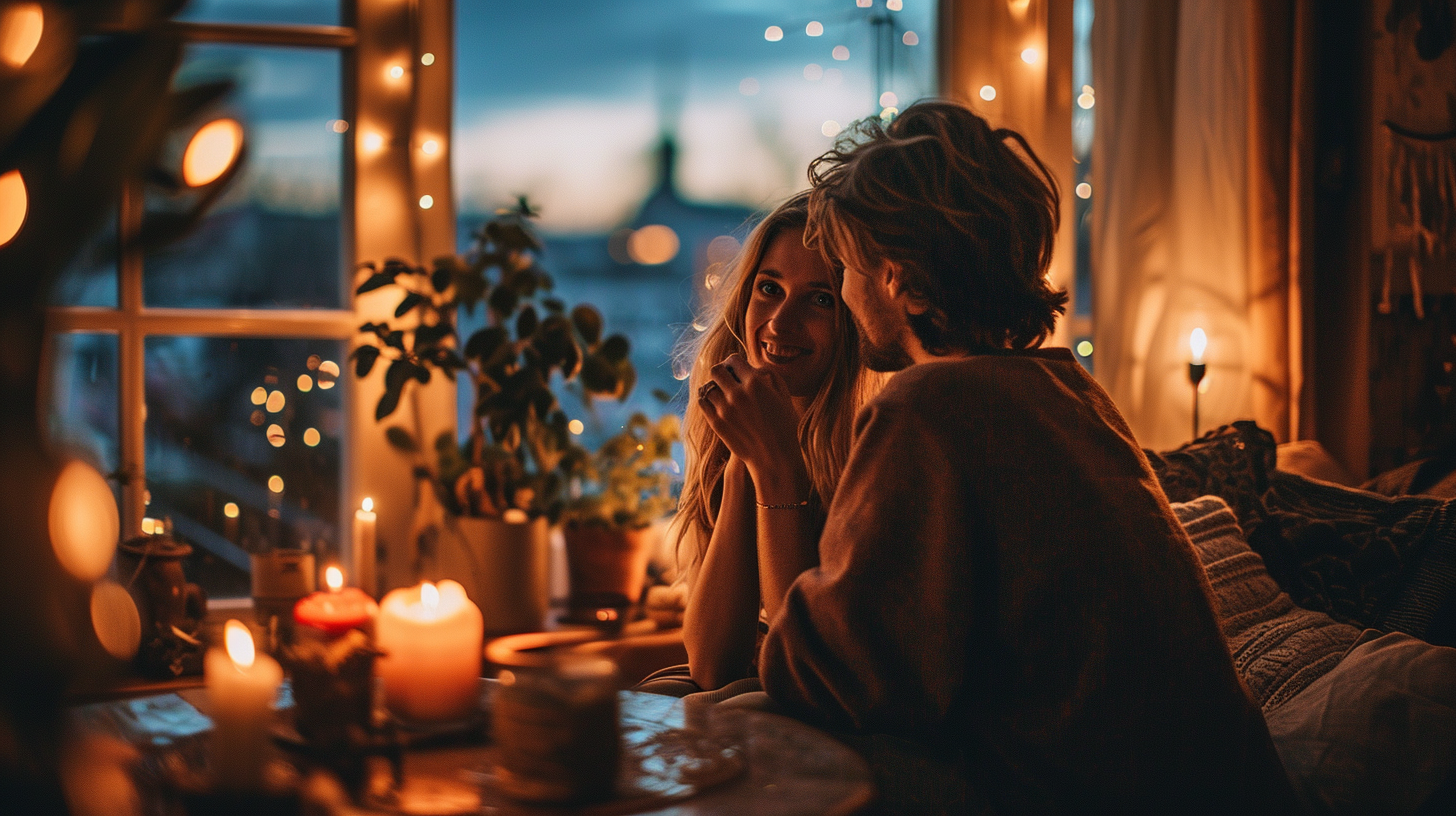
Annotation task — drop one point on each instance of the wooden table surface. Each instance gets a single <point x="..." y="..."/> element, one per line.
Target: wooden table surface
<point x="787" y="767"/>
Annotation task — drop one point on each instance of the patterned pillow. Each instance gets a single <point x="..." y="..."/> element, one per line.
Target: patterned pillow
<point x="1278" y="648"/>
<point x="1368" y="560"/>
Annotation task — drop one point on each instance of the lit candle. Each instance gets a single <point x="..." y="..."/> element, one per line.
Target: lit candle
<point x="431" y="640"/>
<point x="241" y="686"/>
<point x="1197" y="344"/>
<point x="364" y="544"/>
<point x="336" y="610"/>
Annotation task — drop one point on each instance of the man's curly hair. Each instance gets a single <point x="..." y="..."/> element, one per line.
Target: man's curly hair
<point x="966" y="211"/>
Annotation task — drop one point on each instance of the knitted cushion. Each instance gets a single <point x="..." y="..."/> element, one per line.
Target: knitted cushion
<point x="1368" y="560"/>
<point x="1278" y="648"/>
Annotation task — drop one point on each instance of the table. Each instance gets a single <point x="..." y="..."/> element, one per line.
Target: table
<point x="791" y="768"/>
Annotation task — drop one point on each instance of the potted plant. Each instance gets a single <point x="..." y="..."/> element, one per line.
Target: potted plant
<point x="610" y="527"/>
<point x="484" y="506"/>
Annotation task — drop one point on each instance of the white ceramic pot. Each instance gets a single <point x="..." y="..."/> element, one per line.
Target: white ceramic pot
<point x="503" y="567"/>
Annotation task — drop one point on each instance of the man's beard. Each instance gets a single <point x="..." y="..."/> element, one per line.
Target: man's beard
<point x="888" y="357"/>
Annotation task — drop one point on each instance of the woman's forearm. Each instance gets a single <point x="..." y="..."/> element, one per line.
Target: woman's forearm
<point x="720" y="624"/>
<point x="788" y="530"/>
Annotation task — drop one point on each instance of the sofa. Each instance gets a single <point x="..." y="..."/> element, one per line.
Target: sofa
<point x="1339" y="608"/>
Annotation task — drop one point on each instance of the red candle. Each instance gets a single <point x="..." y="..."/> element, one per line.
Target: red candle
<point x="336" y="610"/>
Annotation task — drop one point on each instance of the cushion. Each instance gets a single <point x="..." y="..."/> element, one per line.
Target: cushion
<point x="1308" y="457"/>
<point x="1367" y="560"/>
<point x="1278" y="648"/>
<point x="1377" y="733"/>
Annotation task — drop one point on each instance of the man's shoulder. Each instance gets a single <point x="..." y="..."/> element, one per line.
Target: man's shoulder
<point x="1000" y="376"/>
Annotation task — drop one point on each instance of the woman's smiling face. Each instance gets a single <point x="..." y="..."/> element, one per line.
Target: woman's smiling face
<point x="790" y="324"/>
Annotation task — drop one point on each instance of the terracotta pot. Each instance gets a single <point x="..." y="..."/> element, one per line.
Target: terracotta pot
<point x="608" y="565"/>
<point x="503" y="568"/>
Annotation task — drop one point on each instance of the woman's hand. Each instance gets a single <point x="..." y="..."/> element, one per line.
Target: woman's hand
<point x="751" y="411"/>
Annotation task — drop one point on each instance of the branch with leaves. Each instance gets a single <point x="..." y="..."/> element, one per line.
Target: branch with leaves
<point x="519" y="450"/>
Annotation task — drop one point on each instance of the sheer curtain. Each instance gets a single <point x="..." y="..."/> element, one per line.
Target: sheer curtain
<point x="1199" y="163"/>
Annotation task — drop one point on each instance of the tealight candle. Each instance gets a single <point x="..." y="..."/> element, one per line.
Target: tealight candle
<point x="336" y="610"/>
<point x="241" y="686"/>
<point x="430" y="637"/>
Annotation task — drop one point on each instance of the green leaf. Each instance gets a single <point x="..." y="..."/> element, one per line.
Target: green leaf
<point x="588" y="322"/>
<point x="364" y="359"/>
<point x="401" y="439"/>
<point x="410" y="301"/>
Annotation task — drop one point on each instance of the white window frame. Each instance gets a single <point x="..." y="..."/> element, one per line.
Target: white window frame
<point x="379" y="217"/>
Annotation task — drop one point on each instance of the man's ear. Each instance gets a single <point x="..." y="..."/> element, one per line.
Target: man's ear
<point x="893" y="278"/>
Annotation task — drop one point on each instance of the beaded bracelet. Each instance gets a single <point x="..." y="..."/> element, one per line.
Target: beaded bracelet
<point x="793" y="506"/>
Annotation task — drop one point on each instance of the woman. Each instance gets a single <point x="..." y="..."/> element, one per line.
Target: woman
<point x="762" y="468"/>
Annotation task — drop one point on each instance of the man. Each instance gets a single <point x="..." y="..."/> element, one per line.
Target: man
<point x="1001" y="580"/>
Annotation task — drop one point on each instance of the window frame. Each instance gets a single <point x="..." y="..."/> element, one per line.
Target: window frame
<point x="375" y="35"/>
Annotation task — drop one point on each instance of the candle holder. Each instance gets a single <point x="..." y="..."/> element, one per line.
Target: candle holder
<point x="1196" y="371"/>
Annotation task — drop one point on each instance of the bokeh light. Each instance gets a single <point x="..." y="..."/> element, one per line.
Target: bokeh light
<point x="230" y="510"/>
<point x="830" y="128"/>
<point x="328" y="374"/>
<point x="814" y="28"/>
<point x="275" y="402"/>
<point x="653" y="244"/>
<point x="260" y="395"/>
<point x="275" y="484"/>
<point x="1084" y="348"/>
<point x="311" y="437"/>
<point x="276" y="437"/>
<point x="83" y="523"/>
<point x="212" y="150"/>
<point x="773" y="34"/>
<point x="988" y="92"/>
<point x="910" y="38"/>
<point x="576" y="426"/>
<point x="841" y="52"/>
<point x="14" y="203"/>
<point x="813" y="72"/>
<point x="305" y="383"/>
<point x="1084" y="190"/>
<point x="889" y="100"/>
<point x="115" y="619"/>
<point x="21" y="27"/>
<point x="1030" y="55"/>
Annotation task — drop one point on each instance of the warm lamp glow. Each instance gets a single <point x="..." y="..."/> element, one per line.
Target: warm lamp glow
<point x="239" y="644"/>
<point x="429" y="596"/>
<point x="576" y="426"/>
<point x="367" y="505"/>
<point x="396" y="71"/>
<point x="426" y="202"/>
<point x="430" y="147"/>
<point x="372" y="142"/>
<point x="230" y="510"/>
<point x="1030" y="55"/>
<point x="20" y="28"/>
<point x="653" y="244"/>
<point x="83" y="523"/>
<point x="14" y="202"/>
<point x="1197" y="344"/>
<point x="427" y="58"/>
<point x="988" y="92"/>
<point x="334" y="579"/>
<point x="213" y="149"/>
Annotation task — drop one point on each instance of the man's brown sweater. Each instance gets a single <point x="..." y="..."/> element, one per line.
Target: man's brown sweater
<point x="1001" y="578"/>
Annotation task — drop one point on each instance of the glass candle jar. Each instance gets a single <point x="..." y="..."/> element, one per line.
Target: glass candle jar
<point x="556" y="731"/>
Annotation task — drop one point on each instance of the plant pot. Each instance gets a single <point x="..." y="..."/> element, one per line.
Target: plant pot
<point x="608" y="565"/>
<point x="503" y="567"/>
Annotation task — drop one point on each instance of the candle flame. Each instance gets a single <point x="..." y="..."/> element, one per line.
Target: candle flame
<point x="239" y="644"/>
<point x="334" y="578"/>
<point x="1197" y="343"/>
<point x="368" y="505"/>
<point x="429" y="596"/>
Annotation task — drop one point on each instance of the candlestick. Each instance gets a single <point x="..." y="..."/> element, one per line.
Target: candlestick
<point x="1197" y="344"/>
<point x="241" y="686"/>
<point x="364" y="547"/>
<point x="431" y="642"/>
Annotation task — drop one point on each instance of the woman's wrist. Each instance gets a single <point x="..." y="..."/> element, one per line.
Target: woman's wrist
<point x="785" y="484"/>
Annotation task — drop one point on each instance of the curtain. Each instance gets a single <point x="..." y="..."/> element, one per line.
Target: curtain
<point x="1198" y="218"/>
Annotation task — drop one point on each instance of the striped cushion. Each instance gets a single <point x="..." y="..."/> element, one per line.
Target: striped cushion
<point x="1278" y="648"/>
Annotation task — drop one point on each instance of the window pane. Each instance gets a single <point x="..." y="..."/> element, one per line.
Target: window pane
<point x="691" y="115"/>
<point x="82" y="415"/>
<point x="225" y="417"/>
<point x="274" y="239"/>
<point x="296" y="12"/>
<point x="90" y="279"/>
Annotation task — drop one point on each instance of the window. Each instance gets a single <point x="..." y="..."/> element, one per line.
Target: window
<point x="205" y="376"/>
<point x="675" y="122"/>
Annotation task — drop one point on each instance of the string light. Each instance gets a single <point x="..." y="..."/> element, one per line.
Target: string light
<point x="814" y="28"/>
<point x="426" y="202"/>
<point x="1084" y="190"/>
<point x="311" y="437"/>
<point x="430" y="147"/>
<point x="773" y="34"/>
<point x="427" y="58"/>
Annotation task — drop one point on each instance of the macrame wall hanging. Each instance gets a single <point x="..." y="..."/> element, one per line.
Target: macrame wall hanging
<point x="1419" y="130"/>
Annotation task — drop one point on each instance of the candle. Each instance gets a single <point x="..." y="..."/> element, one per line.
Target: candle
<point x="241" y="686"/>
<point x="431" y="640"/>
<point x="337" y="609"/>
<point x="364" y="546"/>
<point x="1197" y="344"/>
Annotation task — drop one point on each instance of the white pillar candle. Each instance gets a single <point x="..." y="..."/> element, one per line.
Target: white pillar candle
<point x="241" y="687"/>
<point x="364" y="547"/>
<point x="431" y="639"/>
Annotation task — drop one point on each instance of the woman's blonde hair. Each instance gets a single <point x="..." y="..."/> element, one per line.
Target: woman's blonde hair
<point x="826" y="426"/>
